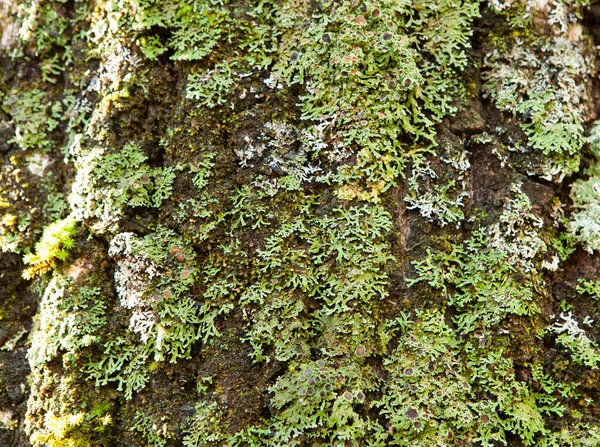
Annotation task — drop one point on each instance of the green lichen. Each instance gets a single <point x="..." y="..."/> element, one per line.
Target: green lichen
<point x="574" y="338"/>
<point x="554" y="119"/>
<point x="435" y="397"/>
<point x="70" y="320"/>
<point x="153" y="276"/>
<point x="210" y="89"/>
<point x="589" y="287"/>
<point x="391" y="55"/>
<point x="479" y="278"/>
<point x="409" y="55"/>
<point x="107" y="183"/>
<point x="321" y="402"/>
<point x="205" y="427"/>
<point x="34" y="117"/>
<point x="519" y="81"/>
<point x="584" y="225"/>
<point x="327" y="265"/>
<point x="149" y="430"/>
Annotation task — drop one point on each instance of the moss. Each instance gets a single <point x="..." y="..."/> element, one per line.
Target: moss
<point x="75" y="430"/>
<point x="56" y="243"/>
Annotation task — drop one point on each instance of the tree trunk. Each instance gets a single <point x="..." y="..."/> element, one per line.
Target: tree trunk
<point x="297" y="223"/>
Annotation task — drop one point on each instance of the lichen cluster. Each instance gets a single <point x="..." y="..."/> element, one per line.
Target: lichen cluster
<point x="289" y="223"/>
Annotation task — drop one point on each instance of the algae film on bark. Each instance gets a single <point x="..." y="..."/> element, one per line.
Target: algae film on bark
<point x="299" y="223"/>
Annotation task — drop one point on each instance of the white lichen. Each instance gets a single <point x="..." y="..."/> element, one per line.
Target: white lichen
<point x="575" y="339"/>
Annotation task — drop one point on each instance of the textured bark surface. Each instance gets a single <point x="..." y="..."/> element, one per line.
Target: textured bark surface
<point x="279" y="223"/>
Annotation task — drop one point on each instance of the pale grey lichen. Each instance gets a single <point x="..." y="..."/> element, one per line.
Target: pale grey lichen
<point x="439" y="198"/>
<point x="517" y="232"/>
<point x="547" y="87"/>
<point x="575" y="339"/>
<point x="584" y="224"/>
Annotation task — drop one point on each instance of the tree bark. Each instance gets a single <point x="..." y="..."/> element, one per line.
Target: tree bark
<point x="281" y="223"/>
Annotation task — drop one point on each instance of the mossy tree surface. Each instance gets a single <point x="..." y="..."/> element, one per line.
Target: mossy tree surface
<point x="299" y="223"/>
